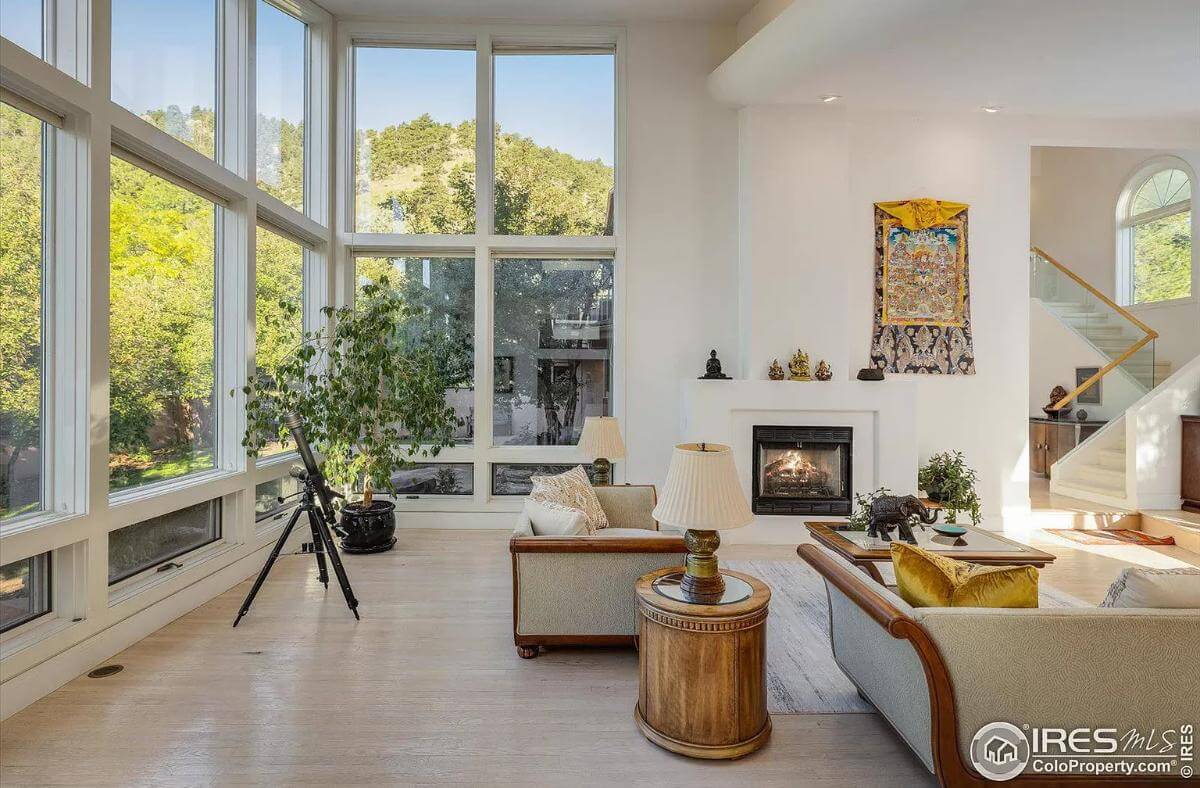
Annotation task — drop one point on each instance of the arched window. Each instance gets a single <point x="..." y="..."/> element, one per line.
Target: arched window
<point x="1154" y="236"/>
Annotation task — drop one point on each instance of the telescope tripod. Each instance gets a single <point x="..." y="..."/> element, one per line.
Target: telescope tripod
<point x="322" y="544"/>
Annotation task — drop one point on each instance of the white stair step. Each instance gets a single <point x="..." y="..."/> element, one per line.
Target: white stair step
<point x="1096" y="475"/>
<point x="1082" y="490"/>
<point x="1112" y="459"/>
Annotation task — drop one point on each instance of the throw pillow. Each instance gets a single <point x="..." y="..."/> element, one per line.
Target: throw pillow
<point x="551" y="519"/>
<point x="1156" y="588"/>
<point x="574" y="490"/>
<point x="928" y="579"/>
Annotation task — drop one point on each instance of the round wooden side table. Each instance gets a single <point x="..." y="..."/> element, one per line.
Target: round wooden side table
<point x="703" y="689"/>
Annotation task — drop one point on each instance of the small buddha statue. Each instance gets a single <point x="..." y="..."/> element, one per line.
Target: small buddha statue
<point x="798" y="367"/>
<point x="712" y="369"/>
<point x="776" y="371"/>
<point x="823" y="371"/>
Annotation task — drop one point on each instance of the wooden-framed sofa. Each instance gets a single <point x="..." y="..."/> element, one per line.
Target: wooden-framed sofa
<point x="578" y="590"/>
<point x="940" y="674"/>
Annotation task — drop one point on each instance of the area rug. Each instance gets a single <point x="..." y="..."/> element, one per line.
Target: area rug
<point x="802" y="677"/>
<point x="1111" y="536"/>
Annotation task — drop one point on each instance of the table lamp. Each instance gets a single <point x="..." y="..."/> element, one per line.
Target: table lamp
<point x="703" y="496"/>
<point x="601" y="439"/>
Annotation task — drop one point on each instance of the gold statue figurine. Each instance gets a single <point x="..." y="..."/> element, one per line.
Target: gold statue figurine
<point x="776" y="371"/>
<point x="823" y="371"/>
<point x="798" y="366"/>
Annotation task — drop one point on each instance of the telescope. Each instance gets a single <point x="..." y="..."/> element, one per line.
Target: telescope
<point x="317" y="502"/>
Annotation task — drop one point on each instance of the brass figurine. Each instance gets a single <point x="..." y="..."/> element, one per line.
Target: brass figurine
<point x="776" y="371"/>
<point x="823" y="371"/>
<point x="798" y="366"/>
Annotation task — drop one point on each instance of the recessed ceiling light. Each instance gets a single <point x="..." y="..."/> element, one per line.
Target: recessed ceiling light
<point x="828" y="97"/>
<point x="991" y="108"/>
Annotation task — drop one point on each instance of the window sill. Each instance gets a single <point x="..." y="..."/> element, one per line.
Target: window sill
<point x="34" y="521"/>
<point x="150" y="491"/>
<point x="33" y="632"/>
<point x="1152" y="305"/>
<point x="151" y="578"/>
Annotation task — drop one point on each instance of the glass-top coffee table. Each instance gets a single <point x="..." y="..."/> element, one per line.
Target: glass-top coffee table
<point x="976" y="545"/>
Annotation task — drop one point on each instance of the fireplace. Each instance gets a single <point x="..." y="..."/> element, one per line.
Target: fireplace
<point x="802" y="470"/>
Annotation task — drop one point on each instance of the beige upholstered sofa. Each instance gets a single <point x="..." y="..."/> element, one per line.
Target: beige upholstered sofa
<point x="940" y="674"/>
<point x="578" y="590"/>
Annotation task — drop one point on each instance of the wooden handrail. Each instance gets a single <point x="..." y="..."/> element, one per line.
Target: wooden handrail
<point x="1150" y="333"/>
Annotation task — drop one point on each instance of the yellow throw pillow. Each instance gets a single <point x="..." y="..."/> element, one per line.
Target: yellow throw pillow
<point x="927" y="579"/>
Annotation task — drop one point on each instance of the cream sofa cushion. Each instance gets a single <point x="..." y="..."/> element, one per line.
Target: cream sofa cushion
<point x="552" y="519"/>
<point x="574" y="490"/>
<point x="1165" y="589"/>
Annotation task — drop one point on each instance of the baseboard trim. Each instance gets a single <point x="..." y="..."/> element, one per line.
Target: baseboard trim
<point x="45" y="677"/>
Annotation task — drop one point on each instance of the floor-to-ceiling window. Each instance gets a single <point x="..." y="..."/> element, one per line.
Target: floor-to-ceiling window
<point x="508" y="237"/>
<point x="165" y="234"/>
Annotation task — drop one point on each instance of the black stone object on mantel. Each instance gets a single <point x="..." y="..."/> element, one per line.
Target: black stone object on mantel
<point x="870" y="373"/>
<point x="712" y="368"/>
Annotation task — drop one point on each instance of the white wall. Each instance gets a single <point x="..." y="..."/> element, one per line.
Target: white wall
<point x="681" y="244"/>
<point x="808" y="179"/>
<point x="1073" y="218"/>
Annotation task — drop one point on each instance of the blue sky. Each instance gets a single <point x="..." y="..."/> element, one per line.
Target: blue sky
<point x="164" y="53"/>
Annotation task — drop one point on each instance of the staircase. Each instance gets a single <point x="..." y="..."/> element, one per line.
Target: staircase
<point x="1132" y="463"/>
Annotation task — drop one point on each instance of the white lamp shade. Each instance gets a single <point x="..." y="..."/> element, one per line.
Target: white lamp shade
<point x="702" y="490"/>
<point x="601" y="437"/>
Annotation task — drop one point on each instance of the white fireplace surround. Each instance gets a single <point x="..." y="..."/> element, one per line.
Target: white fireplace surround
<point x="881" y="414"/>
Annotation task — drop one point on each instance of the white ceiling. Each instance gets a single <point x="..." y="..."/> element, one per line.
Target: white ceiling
<point x="1084" y="58"/>
<point x="548" y="11"/>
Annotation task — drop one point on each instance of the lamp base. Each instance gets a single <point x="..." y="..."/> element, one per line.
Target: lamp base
<point x="671" y="586"/>
<point x="601" y="472"/>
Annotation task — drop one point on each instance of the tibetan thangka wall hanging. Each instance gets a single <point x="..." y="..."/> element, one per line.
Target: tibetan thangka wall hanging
<point x="922" y="290"/>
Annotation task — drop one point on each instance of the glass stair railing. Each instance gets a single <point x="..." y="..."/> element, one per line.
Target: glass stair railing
<point x="1126" y="343"/>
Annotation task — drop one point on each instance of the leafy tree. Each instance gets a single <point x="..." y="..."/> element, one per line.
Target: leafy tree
<point x="1163" y="259"/>
<point x="20" y="301"/>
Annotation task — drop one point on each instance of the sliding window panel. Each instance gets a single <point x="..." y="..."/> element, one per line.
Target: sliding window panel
<point x="553" y="348"/>
<point x="278" y="310"/>
<point x="151" y="543"/>
<point x="162" y="298"/>
<point x="435" y="478"/>
<point x="24" y="591"/>
<point x="164" y="66"/>
<point x="414" y="140"/>
<point x="516" y="478"/>
<point x="442" y="292"/>
<point x="24" y="143"/>
<point x="555" y="143"/>
<point x="281" y="86"/>
<point x="23" y="23"/>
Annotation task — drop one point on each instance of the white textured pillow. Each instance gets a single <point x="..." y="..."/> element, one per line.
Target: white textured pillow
<point x="1164" y="589"/>
<point x="552" y="519"/>
<point x="574" y="490"/>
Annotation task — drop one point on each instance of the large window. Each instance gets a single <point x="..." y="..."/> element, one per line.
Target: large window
<point x="154" y="542"/>
<point x="555" y="138"/>
<point x="1156" y="236"/>
<point x="280" y="58"/>
<point x="23" y="142"/>
<point x="414" y="140"/>
<point x="444" y="290"/>
<point x="164" y="66"/>
<point x="24" y="591"/>
<point x="278" y="305"/>
<point x="161" y="329"/>
<point x="553" y="348"/>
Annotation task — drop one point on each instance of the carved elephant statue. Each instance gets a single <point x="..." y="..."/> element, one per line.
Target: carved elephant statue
<point x="898" y="511"/>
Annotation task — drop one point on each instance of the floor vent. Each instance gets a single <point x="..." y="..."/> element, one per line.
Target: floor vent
<point x="104" y="672"/>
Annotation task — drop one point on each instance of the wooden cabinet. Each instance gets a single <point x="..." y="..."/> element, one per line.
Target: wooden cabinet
<point x="1190" y="477"/>
<point x="1050" y="440"/>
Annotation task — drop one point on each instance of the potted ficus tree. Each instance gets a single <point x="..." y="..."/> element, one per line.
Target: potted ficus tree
<point x="947" y="479"/>
<point x="370" y="390"/>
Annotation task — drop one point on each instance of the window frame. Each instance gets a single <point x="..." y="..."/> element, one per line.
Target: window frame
<point x="1127" y="223"/>
<point x="71" y="86"/>
<point x="484" y="245"/>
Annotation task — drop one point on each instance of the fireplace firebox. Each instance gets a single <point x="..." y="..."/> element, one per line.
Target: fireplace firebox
<point x="802" y="470"/>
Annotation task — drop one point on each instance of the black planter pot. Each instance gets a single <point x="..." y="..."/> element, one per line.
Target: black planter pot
<point x="372" y="530"/>
<point x="935" y="493"/>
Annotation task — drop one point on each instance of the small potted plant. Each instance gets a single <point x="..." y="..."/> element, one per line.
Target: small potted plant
<point x="371" y="393"/>
<point x="947" y="479"/>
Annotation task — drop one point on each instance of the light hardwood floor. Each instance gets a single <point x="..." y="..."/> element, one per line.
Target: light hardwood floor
<point x="426" y="688"/>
